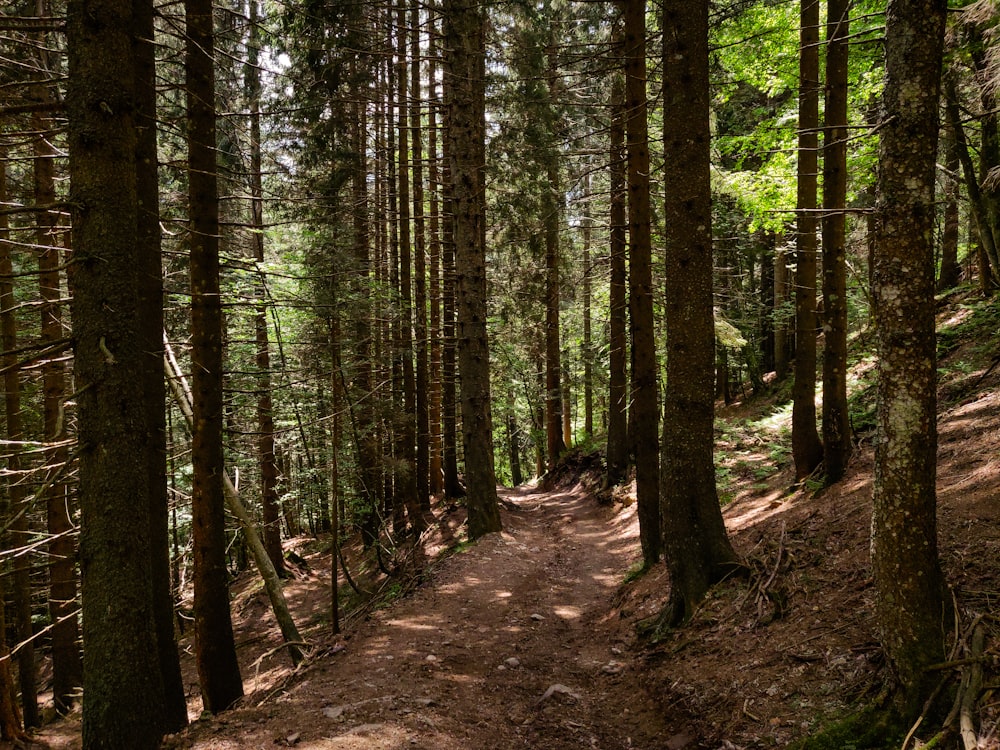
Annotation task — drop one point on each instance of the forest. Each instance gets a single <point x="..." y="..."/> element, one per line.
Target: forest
<point x="289" y="277"/>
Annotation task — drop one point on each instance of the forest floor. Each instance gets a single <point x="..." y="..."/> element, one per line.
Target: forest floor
<point x="528" y="638"/>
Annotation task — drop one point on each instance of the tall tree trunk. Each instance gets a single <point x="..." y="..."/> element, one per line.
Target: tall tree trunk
<point x="66" y="667"/>
<point x="421" y="365"/>
<point x="337" y="404"/>
<point x="588" y="344"/>
<point x="407" y="444"/>
<point x="16" y="510"/>
<point x="270" y="506"/>
<point x="555" y="442"/>
<point x="697" y="549"/>
<point x="807" y="450"/>
<point x="465" y="40"/>
<point x="150" y="293"/>
<point x="121" y="670"/>
<point x="950" y="271"/>
<point x="513" y="439"/>
<point x="909" y="586"/>
<point x="434" y="269"/>
<point x="644" y="414"/>
<point x="449" y="381"/>
<point x="617" y="447"/>
<point x="780" y="319"/>
<point x="363" y="350"/>
<point x="218" y="668"/>
<point x="836" y="417"/>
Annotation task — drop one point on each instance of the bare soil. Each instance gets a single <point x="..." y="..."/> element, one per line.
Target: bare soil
<point x="527" y="638"/>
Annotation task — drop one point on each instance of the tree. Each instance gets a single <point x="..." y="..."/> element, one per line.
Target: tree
<point x="10" y="717"/>
<point x="218" y="669"/>
<point x="836" y="417"/>
<point x="617" y="448"/>
<point x="465" y="40"/>
<point x="66" y="666"/>
<point x="807" y="450"/>
<point x="150" y="291"/>
<point x="270" y="505"/>
<point x="697" y="549"/>
<point x="643" y="415"/>
<point x="909" y="587"/>
<point x="121" y="672"/>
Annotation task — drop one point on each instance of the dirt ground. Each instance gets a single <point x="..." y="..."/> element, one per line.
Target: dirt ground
<point x="528" y="638"/>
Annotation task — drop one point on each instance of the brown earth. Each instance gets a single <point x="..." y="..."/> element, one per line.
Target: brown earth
<point x="528" y="638"/>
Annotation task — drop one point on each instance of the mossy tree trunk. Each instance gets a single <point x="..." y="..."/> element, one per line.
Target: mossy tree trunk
<point x="909" y="588"/>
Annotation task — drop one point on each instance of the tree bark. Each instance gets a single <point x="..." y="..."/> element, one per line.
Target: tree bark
<point x="218" y="668"/>
<point x="10" y="717"/>
<point x="465" y="40"/>
<point x="697" y="549"/>
<point x="406" y="479"/>
<point x="950" y="270"/>
<point x="270" y="506"/>
<point x="66" y="667"/>
<point x="617" y="447"/>
<point x="150" y="292"/>
<point x="807" y="451"/>
<point x="835" y="416"/>
<point x="434" y="269"/>
<point x="644" y="413"/>
<point x="421" y="364"/>
<point x="121" y="671"/>
<point x="909" y="586"/>
<point x="555" y="443"/>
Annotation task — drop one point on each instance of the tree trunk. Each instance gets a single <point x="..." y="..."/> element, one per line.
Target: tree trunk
<point x="780" y="318"/>
<point x="66" y="667"/>
<point x="406" y="479"/>
<point x="218" y="668"/>
<point x="434" y="291"/>
<point x="270" y="506"/>
<point x="449" y="380"/>
<point x="363" y="350"/>
<point x="465" y="40"/>
<point x="807" y="451"/>
<point x="10" y="717"/>
<point x="121" y="671"/>
<point x="588" y="344"/>
<point x="644" y="414"/>
<point x="421" y="374"/>
<point x="909" y="586"/>
<point x="513" y="435"/>
<point x="150" y="293"/>
<point x="697" y="549"/>
<point x="950" y="271"/>
<point x="617" y="447"/>
<point x="555" y="442"/>
<point x="836" y="417"/>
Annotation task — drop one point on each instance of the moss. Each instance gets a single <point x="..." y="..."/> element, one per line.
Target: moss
<point x="874" y="727"/>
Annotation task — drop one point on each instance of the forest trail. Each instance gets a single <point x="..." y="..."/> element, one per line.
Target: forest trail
<point x="510" y="643"/>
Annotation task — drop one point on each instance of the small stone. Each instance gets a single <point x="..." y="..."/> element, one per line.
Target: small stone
<point x="513" y="662"/>
<point x="537" y="617"/>
<point x="613" y="667"/>
<point x="333" y="712"/>
<point x="431" y="658"/>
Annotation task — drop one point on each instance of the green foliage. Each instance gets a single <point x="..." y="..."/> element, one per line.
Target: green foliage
<point x="870" y="728"/>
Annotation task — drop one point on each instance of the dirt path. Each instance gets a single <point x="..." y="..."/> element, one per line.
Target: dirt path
<point x="509" y="644"/>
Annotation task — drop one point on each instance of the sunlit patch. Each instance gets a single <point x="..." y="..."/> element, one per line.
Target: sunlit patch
<point x="567" y="612"/>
